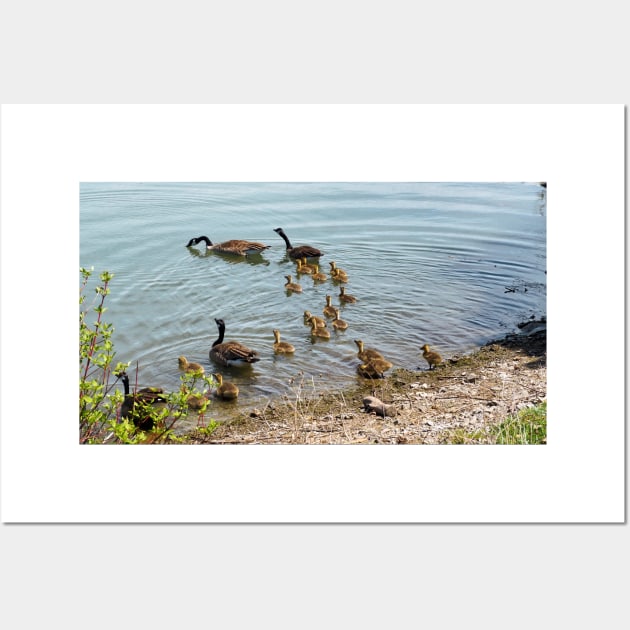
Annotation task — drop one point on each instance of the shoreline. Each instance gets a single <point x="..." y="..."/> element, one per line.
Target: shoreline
<point x="459" y="402"/>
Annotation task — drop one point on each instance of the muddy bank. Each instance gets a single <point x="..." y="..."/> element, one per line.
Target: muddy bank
<point x="457" y="402"/>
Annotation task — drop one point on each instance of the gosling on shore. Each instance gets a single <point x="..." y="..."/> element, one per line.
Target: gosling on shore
<point x="431" y="357"/>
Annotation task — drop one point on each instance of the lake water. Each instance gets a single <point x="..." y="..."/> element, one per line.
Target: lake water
<point x="453" y="265"/>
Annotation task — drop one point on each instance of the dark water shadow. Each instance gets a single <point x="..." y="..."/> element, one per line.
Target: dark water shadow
<point x="532" y="341"/>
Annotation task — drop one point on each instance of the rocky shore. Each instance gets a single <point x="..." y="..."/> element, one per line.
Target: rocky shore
<point x="456" y="403"/>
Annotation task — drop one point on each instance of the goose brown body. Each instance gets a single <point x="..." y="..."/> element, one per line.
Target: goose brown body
<point x="300" y="251"/>
<point x="235" y="246"/>
<point x="231" y="352"/>
<point x="137" y="406"/>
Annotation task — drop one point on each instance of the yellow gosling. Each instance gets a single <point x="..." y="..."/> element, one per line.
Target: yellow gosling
<point x="329" y="309"/>
<point x="337" y="323"/>
<point x="318" y="320"/>
<point x="318" y="276"/>
<point x="303" y="268"/>
<point x="374" y="368"/>
<point x="292" y="286"/>
<point x="317" y="331"/>
<point x="281" y="347"/>
<point x="365" y="354"/>
<point x="188" y="366"/>
<point x="432" y="358"/>
<point x="225" y="389"/>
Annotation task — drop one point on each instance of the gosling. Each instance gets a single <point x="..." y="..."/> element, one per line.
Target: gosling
<point x="318" y="320"/>
<point x="374" y="368"/>
<point x="188" y="366"/>
<point x="292" y="286"/>
<point x="329" y="309"/>
<point x="317" y="331"/>
<point x="346" y="297"/>
<point x="366" y="354"/>
<point x="337" y="323"/>
<point x="318" y="276"/>
<point x="281" y="347"/>
<point x="432" y="358"/>
<point x="225" y="389"/>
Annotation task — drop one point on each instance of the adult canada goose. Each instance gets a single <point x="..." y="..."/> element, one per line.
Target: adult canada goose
<point x="329" y="309"/>
<point x="336" y="273"/>
<point x="337" y="323"/>
<point x="281" y="347"/>
<point x="346" y="297"/>
<point x="230" y="352"/>
<point x="138" y="405"/>
<point x="318" y="331"/>
<point x="374" y="368"/>
<point x="301" y="250"/>
<point x="292" y="286"/>
<point x="225" y="389"/>
<point x="365" y="354"/>
<point x="238" y="247"/>
<point x="188" y="366"/>
<point x="432" y="358"/>
<point x="319" y="276"/>
<point x="318" y="320"/>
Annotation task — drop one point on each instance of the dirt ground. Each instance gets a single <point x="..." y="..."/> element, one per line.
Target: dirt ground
<point x="454" y="403"/>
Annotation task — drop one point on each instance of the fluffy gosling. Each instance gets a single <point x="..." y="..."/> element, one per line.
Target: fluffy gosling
<point x="188" y="366"/>
<point x="317" y="331"/>
<point x="318" y="320"/>
<point x="225" y="389"/>
<point x="365" y="354"/>
<point x="281" y="347"/>
<point x="292" y="286"/>
<point x="431" y="357"/>
<point x="329" y="309"/>
<point x="346" y="297"/>
<point x="337" y="323"/>
<point x="374" y="368"/>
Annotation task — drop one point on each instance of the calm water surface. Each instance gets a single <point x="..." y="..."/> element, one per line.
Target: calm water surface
<point x="429" y="263"/>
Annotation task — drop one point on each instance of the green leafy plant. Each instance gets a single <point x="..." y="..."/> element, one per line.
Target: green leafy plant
<point x="100" y="400"/>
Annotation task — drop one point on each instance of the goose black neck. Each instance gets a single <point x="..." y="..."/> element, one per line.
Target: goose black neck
<point x="194" y="241"/>
<point x="125" y="381"/>
<point x="280" y="231"/>
<point x="221" y="326"/>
